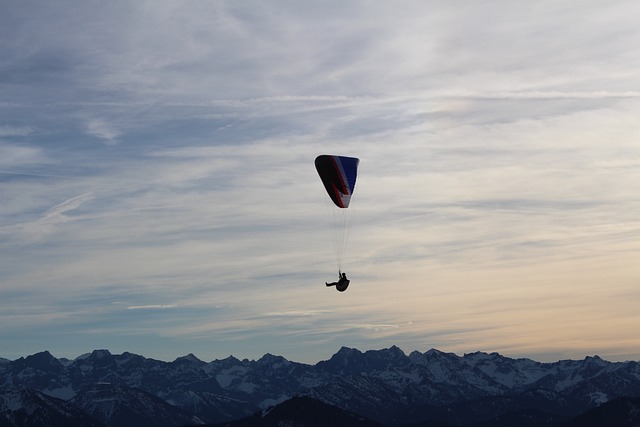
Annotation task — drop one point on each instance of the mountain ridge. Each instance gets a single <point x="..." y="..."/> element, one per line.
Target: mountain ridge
<point x="386" y="386"/>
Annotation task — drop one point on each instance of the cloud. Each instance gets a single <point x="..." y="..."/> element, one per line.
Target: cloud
<point x="103" y="130"/>
<point x="15" y="131"/>
<point x="26" y="233"/>
<point x="297" y="313"/>
<point x="15" y="156"/>
<point x="151" y="307"/>
<point x="57" y="212"/>
<point x="376" y="328"/>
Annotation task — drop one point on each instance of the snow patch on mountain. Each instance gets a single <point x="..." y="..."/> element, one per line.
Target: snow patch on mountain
<point x="64" y="393"/>
<point x="12" y="400"/>
<point x="247" y="387"/>
<point x="267" y="403"/>
<point x="227" y="376"/>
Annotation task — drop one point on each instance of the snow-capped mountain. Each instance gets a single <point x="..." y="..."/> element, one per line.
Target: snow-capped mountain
<point x="24" y="407"/>
<point x="124" y="406"/>
<point x="386" y="385"/>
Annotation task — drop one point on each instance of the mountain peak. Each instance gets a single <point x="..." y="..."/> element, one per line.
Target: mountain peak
<point x="432" y="354"/>
<point x="395" y="350"/>
<point x="348" y="350"/>
<point x="346" y="354"/>
<point x="188" y="358"/>
<point x="434" y="351"/>
<point x="269" y="358"/>
<point x="100" y="354"/>
<point x="390" y="354"/>
<point x="41" y="356"/>
<point x="43" y="361"/>
<point x="480" y="355"/>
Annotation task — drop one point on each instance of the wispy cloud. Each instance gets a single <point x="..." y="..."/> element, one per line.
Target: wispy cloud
<point x="15" y="131"/>
<point x="297" y="313"/>
<point x="26" y="233"/>
<point x="151" y="307"/>
<point x="103" y="130"/>
<point x="13" y="156"/>
<point x="57" y="212"/>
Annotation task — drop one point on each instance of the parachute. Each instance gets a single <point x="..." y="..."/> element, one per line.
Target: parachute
<point x="338" y="175"/>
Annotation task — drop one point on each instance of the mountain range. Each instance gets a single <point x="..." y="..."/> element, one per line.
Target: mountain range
<point x="376" y="387"/>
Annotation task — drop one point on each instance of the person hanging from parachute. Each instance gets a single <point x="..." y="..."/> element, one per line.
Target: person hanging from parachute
<point x="342" y="284"/>
<point x="338" y="175"/>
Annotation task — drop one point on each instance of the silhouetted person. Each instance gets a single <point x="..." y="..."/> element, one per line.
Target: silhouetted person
<point x="342" y="284"/>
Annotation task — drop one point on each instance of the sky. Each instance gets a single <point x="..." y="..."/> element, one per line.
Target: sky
<point x="158" y="193"/>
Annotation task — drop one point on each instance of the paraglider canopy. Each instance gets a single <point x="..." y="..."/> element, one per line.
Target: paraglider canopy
<point x="338" y="174"/>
